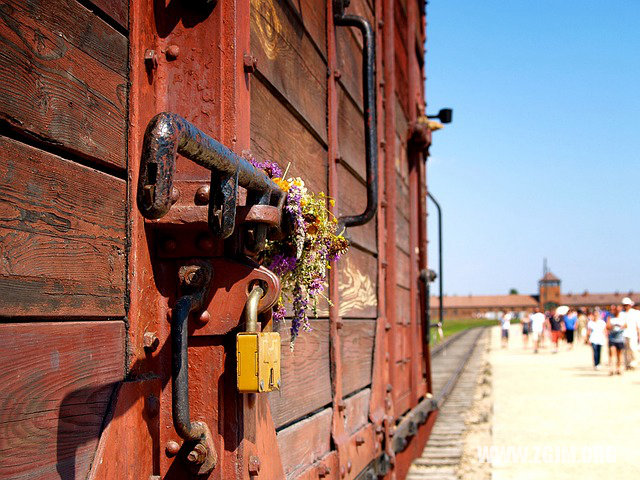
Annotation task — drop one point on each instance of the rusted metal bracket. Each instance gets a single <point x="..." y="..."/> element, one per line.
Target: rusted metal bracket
<point x="380" y="467"/>
<point x="198" y="450"/>
<point x="370" y="123"/>
<point x="168" y="135"/>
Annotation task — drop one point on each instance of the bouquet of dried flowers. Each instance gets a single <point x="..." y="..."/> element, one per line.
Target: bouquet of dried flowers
<point x="301" y="259"/>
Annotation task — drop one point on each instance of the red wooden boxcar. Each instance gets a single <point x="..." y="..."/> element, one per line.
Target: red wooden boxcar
<point x="91" y="289"/>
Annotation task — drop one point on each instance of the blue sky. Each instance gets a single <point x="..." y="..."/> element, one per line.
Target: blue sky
<point x="543" y="155"/>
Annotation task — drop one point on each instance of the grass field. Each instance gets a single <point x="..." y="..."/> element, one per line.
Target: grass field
<point x="455" y="325"/>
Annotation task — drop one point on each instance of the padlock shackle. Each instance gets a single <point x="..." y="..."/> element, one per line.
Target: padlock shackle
<point x="251" y="308"/>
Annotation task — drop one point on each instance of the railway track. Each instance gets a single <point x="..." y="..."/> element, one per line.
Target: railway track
<point x="455" y="368"/>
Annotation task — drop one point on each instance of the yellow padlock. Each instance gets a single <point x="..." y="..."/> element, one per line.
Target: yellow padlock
<point x="257" y="353"/>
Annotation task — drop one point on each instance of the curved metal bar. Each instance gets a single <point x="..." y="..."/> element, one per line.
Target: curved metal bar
<point x="435" y="202"/>
<point x="185" y="305"/>
<point x="370" y="123"/>
<point x="168" y="135"/>
<point x="251" y="308"/>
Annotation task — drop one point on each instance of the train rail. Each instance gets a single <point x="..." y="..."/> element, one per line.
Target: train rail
<point x="455" y="367"/>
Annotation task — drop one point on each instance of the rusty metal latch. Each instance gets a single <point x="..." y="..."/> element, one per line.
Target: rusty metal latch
<point x="198" y="450"/>
<point x="168" y="135"/>
<point x="370" y="122"/>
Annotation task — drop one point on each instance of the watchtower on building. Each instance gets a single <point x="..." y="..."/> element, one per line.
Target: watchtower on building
<point x="549" y="289"/>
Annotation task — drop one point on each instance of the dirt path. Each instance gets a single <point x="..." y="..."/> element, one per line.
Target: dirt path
<point x="554" y="417"/>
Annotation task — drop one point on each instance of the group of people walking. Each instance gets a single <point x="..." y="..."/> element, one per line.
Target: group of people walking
<point x="617" y="328"/>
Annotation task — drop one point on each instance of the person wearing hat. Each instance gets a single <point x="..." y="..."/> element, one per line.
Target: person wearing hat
<point x="631" y="317"/>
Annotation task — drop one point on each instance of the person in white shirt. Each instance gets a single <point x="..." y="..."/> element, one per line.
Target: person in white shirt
<point x="505" y="323"/>
<point x="537" y="326"/>
<point x="631" y="316"/>
<point x="596" y="328"/>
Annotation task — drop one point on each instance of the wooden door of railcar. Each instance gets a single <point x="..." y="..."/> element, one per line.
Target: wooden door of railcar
<point x="89" y="285"/>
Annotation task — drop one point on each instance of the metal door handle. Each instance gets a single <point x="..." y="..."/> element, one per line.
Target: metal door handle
<point x="168" y="135"/>
<point x="199" y="449"/>
<point x="370" y="123"/>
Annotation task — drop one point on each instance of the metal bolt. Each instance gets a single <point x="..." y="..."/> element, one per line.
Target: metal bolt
<point x="379" y="429"/>
<point x="175" y="195"/>
<point x="389" y="387"/>
<point x="198" y="455"/>
<point x="150" y="58"/>
<point x="380" y="23"/>
<point x="341" y="405"/>
<point x="172" y="448"/>
<point x="388" y="403"/>
<point x="254" y="465"/>
<point x="387" y="326"/>
<point x="343" y="471"/>
<point x="339" y="324"/>
<point x="278" y="383"/>
<point x="204" y="317"/>
<point x="337" y="74"/>
<point x="150" y="341"/>
<point x="250" y="63"/>
<point x="261" y="384"/>
<point x="169" y="245"/>
<point x="386" y="356"/>
<point x="359" y="440"/>
<point x="202" y="195"/>
<point x="172" y="52"/>
<point x="205" y="242"/>
<point x="349" y="466"/>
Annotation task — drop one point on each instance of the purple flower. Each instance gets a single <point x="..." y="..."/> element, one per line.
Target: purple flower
<point x="272" y="168"/>
<point x="282" y="264"/>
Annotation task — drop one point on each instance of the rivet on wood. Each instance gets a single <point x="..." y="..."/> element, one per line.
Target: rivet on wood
<point x="254" y="465"/>
<point x="172" y="448"/>
<point x="198" y="455"/>
<point x="379" y="429"/>
<point x="343" y="471"/>
<point x="387" y="326"/>
<point x="337" y="74"/>
<point x="339" y="324"/>
<point x="172" y="52"/>
<point x="389" y="387"/>
<point x="349" y="466"/>
<point x="359" y="440"/>
<point x="341" y="405"/>
<point x="323" y="470"/>
<point x="150" y="341"/>
<point x="202" y="195"/>
<point x="380" y="23"/>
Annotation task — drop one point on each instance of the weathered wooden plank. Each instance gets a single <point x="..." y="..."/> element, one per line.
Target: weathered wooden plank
<point x="276" y="134"/>
<point x="356" y="413"/>
<point x="403" y="305"/>
<point x="57" y="92"/>
<point x="358" y="280"/>
<point x="402" y="233"/>
<point x="314" y="20"/>
<point x="357" y="339"/>
<point x="288" y="60"/>
<point x="117" y="10"/>
<point x="352" y="200"/>
<point x="403" y="269"/>
<point x="305" y="442"/>
<point x="57" y="381"/>
<point x="351" y="134"/>
<point x="305" y="374"/>
<point x="62" y="231"/>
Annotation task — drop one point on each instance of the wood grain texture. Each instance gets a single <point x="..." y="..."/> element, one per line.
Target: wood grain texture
<point x="276" y="134"/>
<point x="305" y="374"/>
<point x="357" y="339"/>
<point x="58" y="379"/>
<point x="314" y="20"/>
<point x="356" y="413"/>
<point x="117" y="10"/>
<point x="289" y="61"/>
<point x="403" y="269"/>
<point x="56" y="84"/>
<point x="358" y="280"/>
<point x="304" y="442"/>
<point x="62" y="236"/>
<point x="352" y="200"/>
<point x="351" y="134"/>
<point x="402" y="233"/>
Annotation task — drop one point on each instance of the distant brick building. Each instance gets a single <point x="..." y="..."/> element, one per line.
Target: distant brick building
<point x="549" y="296"/>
